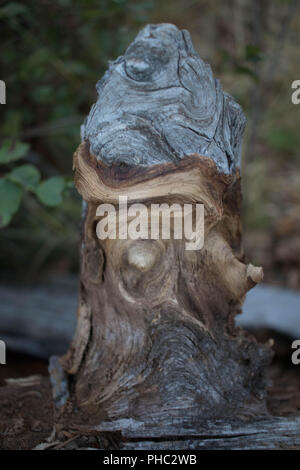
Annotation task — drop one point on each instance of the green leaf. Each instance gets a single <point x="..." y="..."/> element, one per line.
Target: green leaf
<point x="11" y="152"/>
<point x="10" y="199"/>
<point x="50" y="191"/>
<point x="26" y="175"/>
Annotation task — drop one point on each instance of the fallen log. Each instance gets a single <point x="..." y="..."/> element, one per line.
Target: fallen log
<point x="273" y="433"/>
<point x="40" y="321"/>
<point x="33" y="422"/>
<point x="30" y="425"/>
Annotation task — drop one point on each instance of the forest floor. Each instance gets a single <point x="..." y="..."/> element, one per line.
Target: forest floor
<point x="27" y="417"/>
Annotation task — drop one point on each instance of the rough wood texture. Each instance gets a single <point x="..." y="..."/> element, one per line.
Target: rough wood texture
<point x="156" y="329"/>
<point x="156" y="335"/>
<point x="156" y="353"/>
<point x="41" y="320"/>
<point x="30" y="425"/>
<point x="274" y="433"/>
<point x="160" y="102"/>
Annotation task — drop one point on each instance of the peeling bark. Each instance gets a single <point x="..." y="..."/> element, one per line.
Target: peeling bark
<point x="158" y="336"/>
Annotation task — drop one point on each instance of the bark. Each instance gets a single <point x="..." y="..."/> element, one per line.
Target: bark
<point x="156" y="331"/>
<point x="156" y="335"/>
<point x="160" y="102"/>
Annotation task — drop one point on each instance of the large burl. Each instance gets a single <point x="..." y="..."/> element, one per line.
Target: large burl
<point x="156" y="343"/>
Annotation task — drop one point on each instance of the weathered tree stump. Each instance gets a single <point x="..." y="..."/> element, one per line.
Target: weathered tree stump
<point x="157" y="361"/>
<point x="156" y="345"/>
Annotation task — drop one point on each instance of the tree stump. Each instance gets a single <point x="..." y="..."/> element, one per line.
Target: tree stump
<point x="156" y="346"/>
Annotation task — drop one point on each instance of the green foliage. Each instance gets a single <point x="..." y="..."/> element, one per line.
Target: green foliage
<point x="22" y="179"/>
<point x="52" y="55"/>
<point x="50" y="191"/>
<point x="26" y="175"/>
<point x="10" y="199"/>
<point x="10" y="152"/>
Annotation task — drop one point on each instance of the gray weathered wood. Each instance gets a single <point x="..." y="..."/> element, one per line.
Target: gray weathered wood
<point x="41" y="320"/>
<point x="273" y="433"/>
<point x="160" y="102"/>
<point x="272" y="307"/>
<point x="270" y="433"/>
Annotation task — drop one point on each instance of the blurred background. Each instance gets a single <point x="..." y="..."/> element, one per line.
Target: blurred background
<point x="52" y="55"/>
